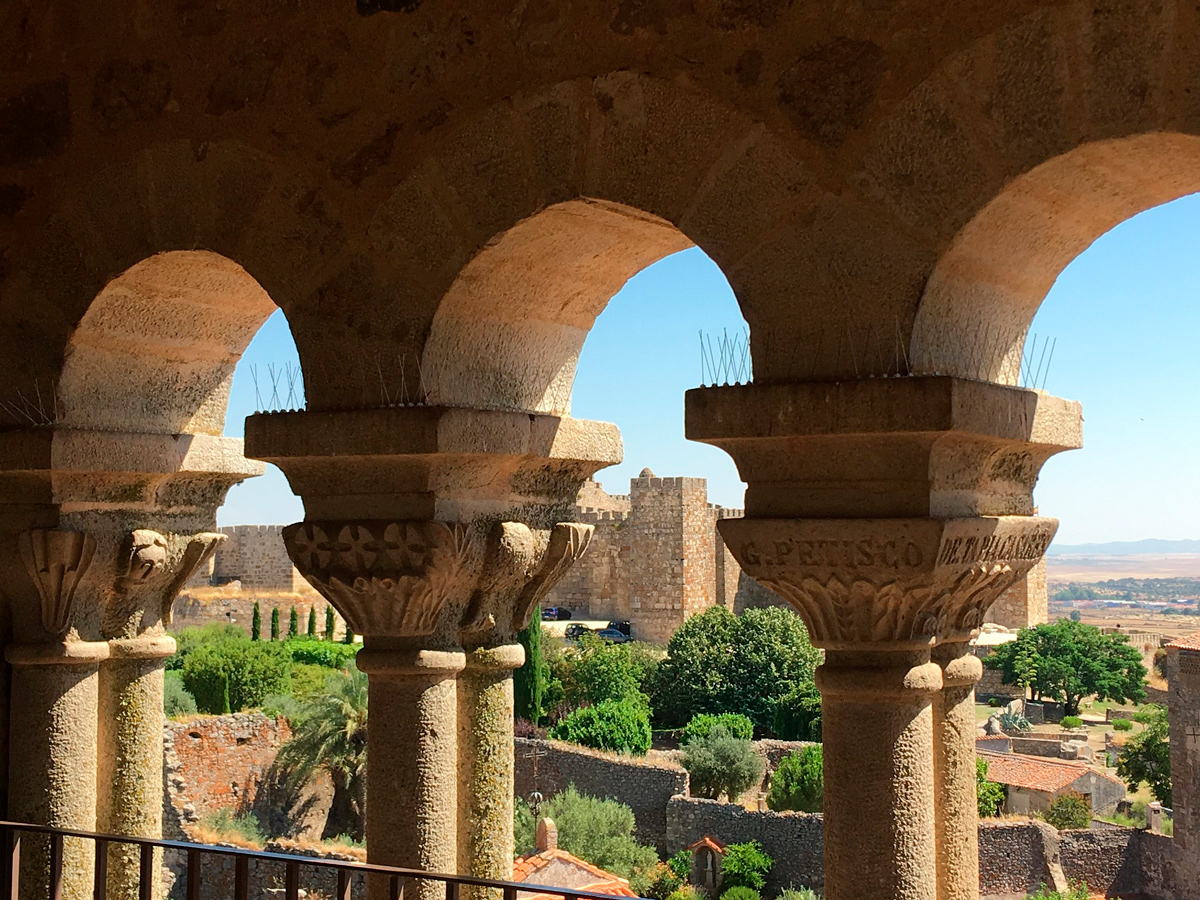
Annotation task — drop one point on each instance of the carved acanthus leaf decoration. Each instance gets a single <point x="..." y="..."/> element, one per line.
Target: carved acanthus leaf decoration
<point x="199" y="549"/>
<point x="385" y="578"/>
<point x="568" y="542"/>
<point x="56" y="561"/>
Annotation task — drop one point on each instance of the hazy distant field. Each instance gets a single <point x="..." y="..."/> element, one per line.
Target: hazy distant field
<point x="1090" y="569"/>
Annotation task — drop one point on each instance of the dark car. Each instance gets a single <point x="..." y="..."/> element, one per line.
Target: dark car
<point x="612" y="636"/>
<point x="556" y="613"/>
<point x="576" y="630"/>
<point x="624" y="627"/>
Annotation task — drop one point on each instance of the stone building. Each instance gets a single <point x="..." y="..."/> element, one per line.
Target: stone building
<point x="1183" y="709"/>
<point x="442" y="197"/>
<point x="256" y="558"/>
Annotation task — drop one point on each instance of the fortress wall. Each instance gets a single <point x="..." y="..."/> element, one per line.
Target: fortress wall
<point x="255" y="556"/>
<point x="1024" y="604"/>
<point x="597" y="586"/>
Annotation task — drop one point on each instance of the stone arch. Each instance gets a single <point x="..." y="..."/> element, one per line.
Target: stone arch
<point x="156" y="350"/>
<point x="506" y="242"/>
<point x="987" y="287"/>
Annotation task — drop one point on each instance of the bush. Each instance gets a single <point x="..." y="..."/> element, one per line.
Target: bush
<point x="308" y="680"/>
<point x="190" y="639"/>
<point x="1148" y="713"/>
<point x="235" y="675"/>
<point x="745" y="865"/>
<point x="177" y="702"/>
<point x="737" y="892"/>
<point x="989" y="795"/>
<point x="1070" y="811"/>
<point x="321" y="653"/>
<point x="1014" y="723"/>
<point x="685" y="892"/>
<point x="793" y="893"/>
<point x="1078" y="891"/>
<point x="623" y="726"/>
<point x="1071" y="722"/>
<point x="799" y="782"/>
<point x="719" y="763"/>
<point x="681" y="864"/>
<point x="994" y="702"/>
<point x="225" y="826"/>
<point x="594" y="671"/>
<point x="658" y="882"/>
<point x="1147" y="757"/>
<point x="597" y="831"/>
<point x="798" y="714"/>
<point x="1122" y="725"/>
<point x="701" y="726"/>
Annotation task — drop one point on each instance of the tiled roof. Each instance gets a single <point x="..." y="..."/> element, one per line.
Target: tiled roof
<point x="708" y="842"/>
<point x="1191" y="642"/>
<point x="558" y="868"/>
<point x="1032" y="773"/>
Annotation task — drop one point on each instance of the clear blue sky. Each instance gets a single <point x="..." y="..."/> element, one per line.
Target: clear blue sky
<point x="1125" y="316"/>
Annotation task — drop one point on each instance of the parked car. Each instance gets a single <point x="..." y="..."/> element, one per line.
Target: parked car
<point x="612" y="636"/>
<point x="576" y="630"/>
<point x="624" y="627"/>
<point x="556" y="613"/>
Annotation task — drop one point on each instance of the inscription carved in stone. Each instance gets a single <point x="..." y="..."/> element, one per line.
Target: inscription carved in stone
<point x="911" y="581"/>
<point x="56" y="561"/>
<point x="386" y="578"/>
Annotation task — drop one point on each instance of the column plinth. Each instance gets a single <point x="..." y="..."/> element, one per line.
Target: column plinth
<point x="954" y="765"/>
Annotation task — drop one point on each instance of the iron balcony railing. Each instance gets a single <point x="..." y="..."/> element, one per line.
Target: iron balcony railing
<point x="344" y="871"/>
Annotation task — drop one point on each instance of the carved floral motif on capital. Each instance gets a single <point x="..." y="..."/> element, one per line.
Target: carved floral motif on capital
<point x="56" y="561"/>
<point x="386" y="578"/>
<point x="900" y="582"/>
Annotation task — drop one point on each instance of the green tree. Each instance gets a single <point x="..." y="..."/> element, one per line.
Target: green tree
<point x="529" y="681"/>
<point x="799" y="782"/>
<point x="330" y="626"/>
<point x="745" y="865"/>
<point x="235" y="675"/>
<point x="191" y="639"/>
<point x="989" y="795"/>
<point x="721" y="663"/>
<point x="620" y="725"/>
<point x="312" y="623"/>
<point x="256" y="623"/>
<point x="177" y="702"/>
<point x="275" y="624"/>
<point x="293" y="624"/>
<point x="798" y="714"/>
<point x="595" y="670"/>
<point x="1070" y="811"/>
<point x="1147" y="757"/>
<point x="330" y="734"/>
<point x="702" y="726"/>
<point x="1068" y="661"/>
<point x="598" y="831"/>
<point x="348" y="637"/>
<point x="720" y="763"/>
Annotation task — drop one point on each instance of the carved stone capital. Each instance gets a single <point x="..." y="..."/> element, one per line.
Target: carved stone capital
<point x="387" y="578"/>
<point x="56" y="561"/>
<point x="151" y="570"/>
<point x="568" y="542"/>
<point x="893" y="582"/>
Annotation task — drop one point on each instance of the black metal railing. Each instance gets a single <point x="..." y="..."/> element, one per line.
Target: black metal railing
<point x="343" y="871"/>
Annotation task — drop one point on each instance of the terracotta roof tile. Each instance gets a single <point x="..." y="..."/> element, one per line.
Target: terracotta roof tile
<point x="708" y="842"/>
<point x="581" y="875"/>
<point x="1032" y="773"/>
<point x="1191" y="642"/>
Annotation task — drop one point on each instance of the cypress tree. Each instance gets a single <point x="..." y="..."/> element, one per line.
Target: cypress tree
<point x="312" y="621"/>
<point x="256" y="623"/>
<point x="329" y="622"/>
<point x="348" y="637"/>
<point x="275" y="624"/>
<point x="529" y="681"/>
<point x="293" y="624"/>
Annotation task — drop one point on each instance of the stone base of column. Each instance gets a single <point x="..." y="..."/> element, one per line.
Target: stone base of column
<point x="877" y="724"/>
<point x="485" y="764"/>
<point x="52" y="756"/>
<point x="413" y="769"/>
<point x="129" y="784"/>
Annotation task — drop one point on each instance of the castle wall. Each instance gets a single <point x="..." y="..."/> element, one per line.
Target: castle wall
<point x="1183" y="708"/>
<point x="1024" y="604"/>
<point x="255" y="556"/>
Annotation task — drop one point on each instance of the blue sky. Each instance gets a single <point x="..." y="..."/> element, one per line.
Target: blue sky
<point x="1124" y="316"/>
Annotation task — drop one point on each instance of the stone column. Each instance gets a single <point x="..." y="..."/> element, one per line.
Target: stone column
<point x="52" y="750"/>
<point x="954" y="768"/>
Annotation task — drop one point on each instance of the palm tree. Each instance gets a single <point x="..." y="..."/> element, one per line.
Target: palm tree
<point x="330" y="734"/>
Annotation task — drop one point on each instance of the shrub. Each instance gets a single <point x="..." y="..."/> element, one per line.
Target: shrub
<point x="321" y="653"/>
<point x="1147" y="757"/>
<point x="702" y="725"/>
<point x="685" y="892"/>
<point x="308" y="680"/>
<point x="1147" y="714"/>
<point x="594" y="671"/>
<point x="681" y="864"/>
<point x="523" y="728"/>
<point x="719" y="763"/>
<point x="745" y="865"/>
<point x="177" y="702"/>
<point x="1068" y="811"/>
<point x="794" y="893"/>
<point x="1014" y="723"/>
<point x="529" y="681"/>
<point x="190" y="639"/>
<point x="1071" y="722"/>
<point x="597" y="831"/>
<point x="658" y="882"/>
<point x="799" y="782"/>
<point x="235" y="675"/>
<point x="224" y="826"/>
<point x="622" y="725"/>
<point x="798" y="714"/>
<point x="1078" y="891"/>
<point x="989" y="795"/>
<point x="737" y="892"/>
<point x="994" y="702"/>
<point x="1122" y="725"/>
